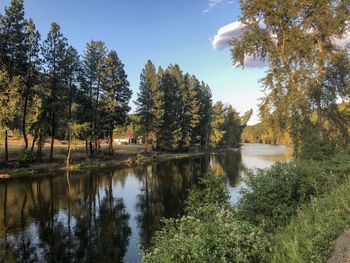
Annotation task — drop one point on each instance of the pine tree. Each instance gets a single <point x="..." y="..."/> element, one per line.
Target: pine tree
<point x="217" y="124"/>
<point x="33" y="63"/>
<point x="53" y="51"/>
<point x="71" y="69"/>
<point x="202" y="131"/>
<point x="145" y="100"/>
<point x="159" y="111"/>
<point x="170" y="84"/>
<point x="116" y="94"/>
<point x="190" y="115"/>
<point x="9" y="102"/>
<point x="233" y="127"/>
<point x="12" y="42"/>
<point x="93" y="62"/>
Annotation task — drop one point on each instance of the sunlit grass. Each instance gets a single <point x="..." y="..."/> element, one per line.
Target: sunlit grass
<point x="310" y="236"/>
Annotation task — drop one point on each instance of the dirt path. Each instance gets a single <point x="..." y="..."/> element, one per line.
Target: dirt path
<point x="341" y="252"/>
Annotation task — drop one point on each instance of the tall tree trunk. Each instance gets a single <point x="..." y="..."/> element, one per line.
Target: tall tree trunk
<point x="52" y="136"/>
<point x="86" y="149"/>
<point x="34" y="141"/>
<point x="40" y="147"/>
<point x="91" y="148"/>
<point x="69" y="150"/>
<point x="111" y="150"/>
<point x="96" y="145"/>
<point x="5" y="222"/>
<point x="68" y="159"/>
<point x="6" y="156"/>
<point x="146" y="142"/>
<point x="25" y="109"/>
<point x="24" y="123"/>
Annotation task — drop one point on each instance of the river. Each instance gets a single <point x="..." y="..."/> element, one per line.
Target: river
<point x="109" y="215"/>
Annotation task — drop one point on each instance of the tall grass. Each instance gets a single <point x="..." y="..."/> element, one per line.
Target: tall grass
<point x="311" y="234"/>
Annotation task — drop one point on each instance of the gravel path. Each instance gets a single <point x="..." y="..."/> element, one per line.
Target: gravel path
<point x="341" y="252"/>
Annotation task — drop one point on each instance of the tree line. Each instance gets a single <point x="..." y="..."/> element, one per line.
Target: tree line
<point x="49" y="92"/>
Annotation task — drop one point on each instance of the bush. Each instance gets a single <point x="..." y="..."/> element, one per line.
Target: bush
<point x="272" y="196"/>
<point x="208" y="232"/>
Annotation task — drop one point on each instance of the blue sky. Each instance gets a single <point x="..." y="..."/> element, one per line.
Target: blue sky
<point x="165" y="31"/>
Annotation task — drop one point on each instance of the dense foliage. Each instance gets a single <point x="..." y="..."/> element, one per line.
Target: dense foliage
<point x="308" y="69"/>
<point x="272" y="196"/>
<point x="175" y="112"/>
<point x="208" y="232"/>
<point x="277" y="205"/>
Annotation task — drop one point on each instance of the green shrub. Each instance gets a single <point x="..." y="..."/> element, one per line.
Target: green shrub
<point x="273" y="195"/>
<point x="310" y="236"/>
<point x="208" y="232"/>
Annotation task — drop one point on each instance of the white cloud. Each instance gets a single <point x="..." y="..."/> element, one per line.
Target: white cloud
<point x="255" y="62"/>
<point x="342" y="42"/>
<point x="214" y="3"/>
<point x="226" y="33"/>
<point x="234" y="30"/>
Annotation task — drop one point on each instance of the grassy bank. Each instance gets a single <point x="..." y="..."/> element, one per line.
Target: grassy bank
<point x="288" y="213"/>
<point x="125" y="156"/>
<point x="311" y="234"/>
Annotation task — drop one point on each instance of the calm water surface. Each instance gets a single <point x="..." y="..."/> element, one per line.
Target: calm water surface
<point x="110" y="215"/>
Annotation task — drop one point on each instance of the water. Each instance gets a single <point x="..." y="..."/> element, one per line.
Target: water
<point x="109" y="215"/>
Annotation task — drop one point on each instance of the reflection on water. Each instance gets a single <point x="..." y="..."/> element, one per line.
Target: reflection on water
<point x="107" y="215"/>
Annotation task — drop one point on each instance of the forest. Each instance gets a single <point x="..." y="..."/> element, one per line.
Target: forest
<point x="49" y="92"/>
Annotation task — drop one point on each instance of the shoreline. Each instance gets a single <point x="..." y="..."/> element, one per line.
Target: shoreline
<point x="46" y="169"/>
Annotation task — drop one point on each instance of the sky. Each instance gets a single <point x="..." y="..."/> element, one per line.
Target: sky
<point x="191" y="33"/>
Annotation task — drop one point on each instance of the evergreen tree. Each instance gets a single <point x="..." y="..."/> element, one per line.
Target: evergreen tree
<point x="233" y="127"/>
<point x="12" y="42"/>
<point x="9" y="102"/>
<point x="202" y="132"/>
<point x="190" y="108"/>
<point x="53" y="50"/>
<point x="174" y="84"/>
<point x="93" y="62"/>
<point x="145" y="100"/>
<point x="33" y="63"/>
<point x="116" y="94"/>
<point x="217" y="124"/>
<point x="71" y="69"/>
<point x="159" y="111"/>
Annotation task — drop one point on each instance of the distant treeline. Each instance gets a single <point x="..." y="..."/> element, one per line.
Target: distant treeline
<point x="263" y="133"/>
<point x="49" y="91"/>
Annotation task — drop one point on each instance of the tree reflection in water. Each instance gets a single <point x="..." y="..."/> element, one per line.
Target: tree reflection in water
<point x="65" y="222"/>
<point x="82" y="217"/>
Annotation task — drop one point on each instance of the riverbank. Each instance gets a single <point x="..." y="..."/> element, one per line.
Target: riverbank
<point x="291" y="212"/>
<point x="125" y="156"/>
